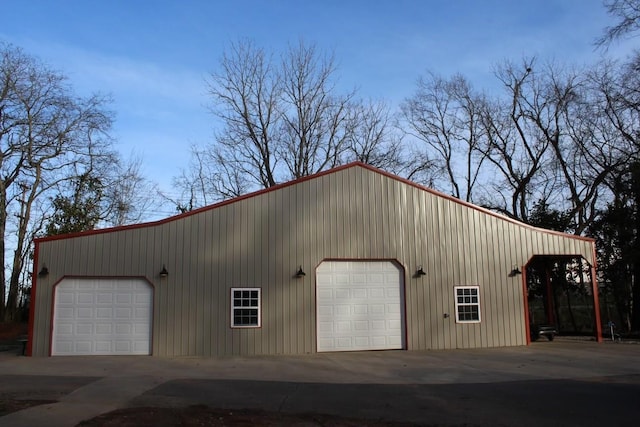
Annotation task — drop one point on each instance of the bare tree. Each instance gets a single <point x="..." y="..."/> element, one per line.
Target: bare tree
<point x="208" y="178"/>
<point x="535" y="143"/>
<point x="281" y="120"/>
<point x="128" y="196"/>
<point x="627" y="13"/>
<point x="616" y="113"/>
<point x="544" y="141"/>
<point x="317" y="122"/>
<point x="374" y="139"/>
<point x="513" y="148"/>
<point x="582" y="159"/>
<point x="46" y="136"/>
<point x="247" y="97"/>
<point x="446" y="115"/>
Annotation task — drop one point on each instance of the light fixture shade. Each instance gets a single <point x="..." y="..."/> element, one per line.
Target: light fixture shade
<point x="44" y="271"/>
<point x="163" y="272"/>
<point x="420" y="272"/>
<point x="300" y="273"/>
<point x="515" y="272"/>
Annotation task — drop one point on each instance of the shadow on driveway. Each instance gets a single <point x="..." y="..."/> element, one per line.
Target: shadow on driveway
<point x="610" y="401"/>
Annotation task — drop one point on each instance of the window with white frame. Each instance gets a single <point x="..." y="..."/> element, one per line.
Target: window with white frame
<point x="245" y="307"/>
<point x="467" y="304"/>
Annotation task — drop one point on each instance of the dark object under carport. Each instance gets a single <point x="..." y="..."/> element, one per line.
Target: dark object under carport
<point x="538" y="331"/>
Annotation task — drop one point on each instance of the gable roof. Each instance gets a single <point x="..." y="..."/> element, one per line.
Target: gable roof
<point x="355" y="164"/>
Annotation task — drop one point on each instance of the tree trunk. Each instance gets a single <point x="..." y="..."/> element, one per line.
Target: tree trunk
<point x="635" y="284"/>
<point x="3" y="222"/>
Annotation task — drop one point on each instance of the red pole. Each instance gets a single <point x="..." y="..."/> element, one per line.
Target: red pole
<point x="596" y="299"/>
<point x="551" y="312"/>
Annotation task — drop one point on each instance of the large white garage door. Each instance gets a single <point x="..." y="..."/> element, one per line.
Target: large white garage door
<point x="359" y="306"/>
<point x="102" y="317"/>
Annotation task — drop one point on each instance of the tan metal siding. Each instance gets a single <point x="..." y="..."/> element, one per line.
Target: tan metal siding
<point x="260" y="241"/>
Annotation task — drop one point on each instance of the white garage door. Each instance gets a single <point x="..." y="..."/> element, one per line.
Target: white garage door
<point x="102" y="317"/>
<point x="359" y="306"/>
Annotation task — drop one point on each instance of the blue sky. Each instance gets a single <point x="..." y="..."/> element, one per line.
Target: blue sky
<point x="153" y="57"/>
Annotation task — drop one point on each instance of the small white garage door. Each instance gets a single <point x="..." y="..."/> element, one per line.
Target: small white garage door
<point x="359" y="306"/>
<point x="102" y="317"/>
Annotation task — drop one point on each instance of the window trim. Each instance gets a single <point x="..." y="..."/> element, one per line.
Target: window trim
<point x="477" y="304"/>
<point x="234" y="308"/>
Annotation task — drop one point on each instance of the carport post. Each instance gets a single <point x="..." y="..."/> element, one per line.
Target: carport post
<point x="596" y="299"/>
<point x="525" y="293"/>
<point x="551" y="308"/>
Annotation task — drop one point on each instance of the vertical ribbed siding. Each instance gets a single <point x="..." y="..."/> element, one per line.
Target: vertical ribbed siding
<point x="260" y="241"/>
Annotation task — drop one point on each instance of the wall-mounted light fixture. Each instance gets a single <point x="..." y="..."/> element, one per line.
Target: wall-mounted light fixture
<point x="420" y="272"/>
<point x="44" y="271"/>
<point x="515" y="272"/>
<point x="300" y="273"/>
<point x="163" y="272"/>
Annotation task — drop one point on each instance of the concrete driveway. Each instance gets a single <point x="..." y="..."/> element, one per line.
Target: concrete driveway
<point x="564" y="383"/>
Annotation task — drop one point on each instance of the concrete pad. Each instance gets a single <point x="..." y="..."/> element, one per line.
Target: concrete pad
<point x="546" y="383"/>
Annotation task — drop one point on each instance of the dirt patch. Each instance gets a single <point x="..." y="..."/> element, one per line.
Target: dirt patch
<point x="201" y="415"/>
<point x="10" y="332"/>
<point x="8" y="406"/>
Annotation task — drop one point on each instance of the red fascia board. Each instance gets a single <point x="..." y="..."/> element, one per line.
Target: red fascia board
<point x="308" y="178"/>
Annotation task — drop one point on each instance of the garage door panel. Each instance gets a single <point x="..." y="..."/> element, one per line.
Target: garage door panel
<point x="66" y="298"/>
<point x="65" y="328"/>
<point x="394" y="324"/>
<point x="82" y="347"/>
<point x="100" y="313"/>
<point x="124" y="329"/>
<point x="395" y="341"/>
<point x="362" y="325"/>
<point x="141" y="313"/>
<point x="101" y="347"/>
<point x="325" y="293"/>
<point x="102" y="316"/>
<point x="85" y="298"/>
<point x="360" y="309"/>
<point x="342" y="310"/>
<point x="362" y="342"/>
<point x="141" y="298"/>
<point x="340" y="279"/>
<point x="122" y="313"/>
<point x="122" y="298"/>
<point x="84" y="313"/>
<point x="104" y="298"/>
<point x="338" y="294"/>
<point x="359" y="306"/>
<point x="392" y="293"/>
<point x="325" y="327"/>
<point x="65" y="313"/>
<point x="359" y="294"/>
<point x="379" y="325"/>
<point x="64" y="346"/>
<point x="375" y="293"/>
<point x="123" y="347"/>
<point x="86" y="329"/>
<point x="344" y="343"/>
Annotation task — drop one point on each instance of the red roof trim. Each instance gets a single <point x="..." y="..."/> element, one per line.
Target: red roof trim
<point x="297" y="181"/>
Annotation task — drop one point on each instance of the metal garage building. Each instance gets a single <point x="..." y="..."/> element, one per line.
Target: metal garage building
<point x="349" y="259"/>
